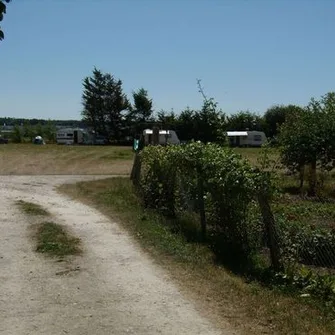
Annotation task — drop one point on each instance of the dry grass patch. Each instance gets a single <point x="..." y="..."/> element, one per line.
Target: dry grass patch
<point x="52" y="159"/>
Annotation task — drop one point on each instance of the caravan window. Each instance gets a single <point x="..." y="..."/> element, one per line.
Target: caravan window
<point x="69" y="135"/>
<point x="258" y="138"/>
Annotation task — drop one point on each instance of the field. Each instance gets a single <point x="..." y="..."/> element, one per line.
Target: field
<point x="29" y="159"/>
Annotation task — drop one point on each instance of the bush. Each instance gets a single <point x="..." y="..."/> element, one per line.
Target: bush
<point x="176" y="179"/>
<point x="305" y="244"/>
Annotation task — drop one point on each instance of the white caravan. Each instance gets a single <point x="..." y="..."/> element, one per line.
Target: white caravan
<point x="165" y="137"/>
<point x="246" y="138"/>
<point x="71" y="136"/>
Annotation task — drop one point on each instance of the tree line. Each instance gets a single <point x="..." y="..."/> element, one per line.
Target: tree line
<point x="109" y="112"/>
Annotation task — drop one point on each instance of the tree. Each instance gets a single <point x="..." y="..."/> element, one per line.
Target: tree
<point x="140" y="115"/>
<point x="142" y="105"/>
<point x="103" y="104"/>
<point x="275" y="116"/>
<point x="209" y="122"/>
<point x="2" y="12"/>
<point x="186" y="125"/>
<point x="167" y="120"/>
<point x="307" y="138"/>
<point x="115" y="103"/>
<point x="245" y="120"/>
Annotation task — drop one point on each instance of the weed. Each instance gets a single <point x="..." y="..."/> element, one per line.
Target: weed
<point x="54" y="240"/>
<point x="31" y="209"/>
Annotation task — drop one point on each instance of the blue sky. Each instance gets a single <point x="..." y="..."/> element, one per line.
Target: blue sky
<point x="250" y="54"/>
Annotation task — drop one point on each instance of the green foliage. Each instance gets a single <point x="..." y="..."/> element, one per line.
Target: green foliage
<point x="54" y="240"/>
<point x="307" y="137"/>
<point x="17" y="134"/>
<point x="27" y="132"/>
<point x="275" y="116"/>
<point x="308" y="283"/>
<point x="104" y="103"/>
<point x="2" y="12"/>
<point x="142" y="109"/>
<point x="245" y="120"/>
<point x="169" y="182"/>
<point x="305" y="243"/>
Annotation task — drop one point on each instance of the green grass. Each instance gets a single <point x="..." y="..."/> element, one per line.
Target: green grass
<point x="30" y="208"/>
<point x="223" y="296"/>
<point x="54" y="240"/>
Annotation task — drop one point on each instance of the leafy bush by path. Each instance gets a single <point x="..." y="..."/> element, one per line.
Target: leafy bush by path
<point x="208" y="180"/>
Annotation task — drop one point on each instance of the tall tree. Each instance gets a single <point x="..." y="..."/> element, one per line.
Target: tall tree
<point x="167" y="120"/>
<point x="245" y="120"/>
<point x="142" y="105"/>
<point x="307" y="138"/>
<point x="275" y="116"/>
<point x="92" y="100"/>
<point x="103" y="104"/>
<point x="141" y="113"/>
<point x="2" y="12"/>
<point x="209" y="124"/>
<point x="115" y="103"/>
<point x="186" y="125"/>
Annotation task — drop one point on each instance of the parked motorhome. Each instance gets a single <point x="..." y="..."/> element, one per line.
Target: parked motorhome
<point x="246" y="138"/>
<point x="165" y="137"/>
<point x="71" y="136"/>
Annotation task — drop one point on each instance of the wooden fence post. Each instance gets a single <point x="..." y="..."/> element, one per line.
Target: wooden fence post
<point x="201" y="206"/>
<point x="270" y="227"/>
<point x="135" y="175"/>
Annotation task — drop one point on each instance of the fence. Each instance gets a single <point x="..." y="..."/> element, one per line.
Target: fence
<point x="242" y="226"/>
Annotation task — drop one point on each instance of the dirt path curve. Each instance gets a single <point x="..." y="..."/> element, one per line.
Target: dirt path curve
<point x="113" y="288"/>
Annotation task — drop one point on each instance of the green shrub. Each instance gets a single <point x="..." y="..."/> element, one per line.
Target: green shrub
<point x="170" y="182"/>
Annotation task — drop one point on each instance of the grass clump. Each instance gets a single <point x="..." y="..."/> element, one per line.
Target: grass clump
<point x="31" y="208"/>
<point x="54" y="240"/>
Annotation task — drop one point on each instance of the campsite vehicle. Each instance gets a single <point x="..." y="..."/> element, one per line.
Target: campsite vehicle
<point x="165" y="137"/>
<point x="71" y="136"/>
<point x="79" y="136"/>
<point x="246" y="138"/>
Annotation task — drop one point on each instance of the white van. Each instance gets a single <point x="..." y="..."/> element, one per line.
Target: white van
<point x="165" y="137"/>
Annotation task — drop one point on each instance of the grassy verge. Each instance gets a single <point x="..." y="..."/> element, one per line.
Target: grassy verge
<point x="54" y="240"/>
<point x="30" y="208"/>
<point x="219" y="294"/>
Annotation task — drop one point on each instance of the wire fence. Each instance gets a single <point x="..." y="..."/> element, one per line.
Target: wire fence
<point x="278" y="242"/>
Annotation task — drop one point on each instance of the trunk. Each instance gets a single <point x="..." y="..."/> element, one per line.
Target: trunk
<point x="270" y="228"/>
<point x="301" y="176"/>
<point x="312" y="179"/>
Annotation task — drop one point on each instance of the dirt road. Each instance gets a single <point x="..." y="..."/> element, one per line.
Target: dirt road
<point x="113" y="288"/>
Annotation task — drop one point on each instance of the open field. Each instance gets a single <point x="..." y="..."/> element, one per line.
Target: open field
<point x="29" y="159"/>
